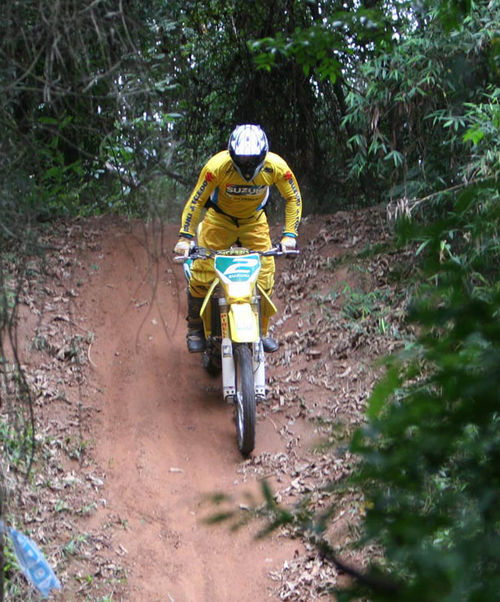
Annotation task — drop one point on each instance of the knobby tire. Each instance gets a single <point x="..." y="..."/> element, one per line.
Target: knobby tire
<point x="245" y="399"/>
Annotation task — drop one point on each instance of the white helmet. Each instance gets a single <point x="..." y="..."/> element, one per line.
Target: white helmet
<point x="248" y="147"/>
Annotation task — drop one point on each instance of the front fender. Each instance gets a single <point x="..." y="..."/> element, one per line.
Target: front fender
<point x="243" y="323"/>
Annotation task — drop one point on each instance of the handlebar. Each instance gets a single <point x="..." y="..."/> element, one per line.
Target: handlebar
<point x="204" y="253"/>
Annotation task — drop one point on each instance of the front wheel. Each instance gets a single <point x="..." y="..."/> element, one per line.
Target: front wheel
<point x="244" y="399"/>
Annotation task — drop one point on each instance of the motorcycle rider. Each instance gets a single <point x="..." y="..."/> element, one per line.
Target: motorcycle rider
<point x="233" y="188"/>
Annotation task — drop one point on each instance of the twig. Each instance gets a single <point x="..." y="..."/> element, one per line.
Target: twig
<point x="88" y="355"/>
<point x="374" y="582"/>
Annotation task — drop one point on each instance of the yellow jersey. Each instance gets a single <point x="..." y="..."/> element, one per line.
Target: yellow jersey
<point x="227" y="192"/>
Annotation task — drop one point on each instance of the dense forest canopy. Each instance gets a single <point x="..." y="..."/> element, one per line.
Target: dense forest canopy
<point x="364" y="99"/>
<point x="114" y="105"/>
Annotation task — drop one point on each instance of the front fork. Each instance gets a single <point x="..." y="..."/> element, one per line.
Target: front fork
<point x="259" y="370"/>
<point x="229" y="370"/>
<point x="228" y="365"/>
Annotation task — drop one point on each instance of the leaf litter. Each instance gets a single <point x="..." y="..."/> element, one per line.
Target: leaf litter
<point x="66" y="486"/>
<point x="341" y="311"/>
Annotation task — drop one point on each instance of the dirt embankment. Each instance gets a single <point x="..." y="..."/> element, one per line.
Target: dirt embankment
<point x="144" y="438"/>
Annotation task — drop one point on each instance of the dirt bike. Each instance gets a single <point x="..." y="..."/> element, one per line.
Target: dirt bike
<point x="232" y="315"/>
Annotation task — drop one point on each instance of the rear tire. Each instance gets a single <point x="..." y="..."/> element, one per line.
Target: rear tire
<point x="244" y="399"/>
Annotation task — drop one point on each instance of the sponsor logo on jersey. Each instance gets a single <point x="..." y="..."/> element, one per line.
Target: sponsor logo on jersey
<point x="192" y="206"/>
<point x="298" y="200"/>
<point x="245" y="190"/>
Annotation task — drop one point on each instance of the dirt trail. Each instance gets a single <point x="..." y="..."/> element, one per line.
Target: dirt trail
<point x="164" y="437"/>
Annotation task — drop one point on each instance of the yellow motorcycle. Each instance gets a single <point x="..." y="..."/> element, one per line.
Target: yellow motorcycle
<point x="232" y="315"/>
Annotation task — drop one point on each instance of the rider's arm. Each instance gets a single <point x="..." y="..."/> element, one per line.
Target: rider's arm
<point x="289" y="189"/>
<point x="192" y="210"/>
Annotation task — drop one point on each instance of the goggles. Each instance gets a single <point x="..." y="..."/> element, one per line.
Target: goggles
<point x="248" y="161"/>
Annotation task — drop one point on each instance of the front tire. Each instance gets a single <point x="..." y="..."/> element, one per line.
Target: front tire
<point x="244" y="399"/>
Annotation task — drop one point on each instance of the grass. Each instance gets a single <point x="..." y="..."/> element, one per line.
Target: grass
<point x="16" y="441"/>
<point x="360" y="305"/>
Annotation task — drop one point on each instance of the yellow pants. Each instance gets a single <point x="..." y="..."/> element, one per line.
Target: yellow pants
<point x="219" y="232"/>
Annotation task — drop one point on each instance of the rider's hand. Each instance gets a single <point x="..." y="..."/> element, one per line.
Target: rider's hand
<point x="288" y="243"/>
<point x="183" y="246"/>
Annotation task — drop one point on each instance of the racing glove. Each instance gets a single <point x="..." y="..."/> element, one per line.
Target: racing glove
<point x="183" y="246"/>
<point x="288" y="243"/>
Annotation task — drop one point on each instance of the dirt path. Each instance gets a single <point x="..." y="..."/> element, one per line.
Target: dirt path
<point x="164" y="438"/>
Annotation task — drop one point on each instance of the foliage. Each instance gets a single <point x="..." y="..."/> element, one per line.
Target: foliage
<point x="405" y="74"/>
<point x="430" y="451"/>
<point x="80" y="88"/>
<point x="109" y="101"/>
<point x="327" y="46"/>
<point x="17" y="433"/>
<point x="100" y="104"/>
<point x="408" y="109"/>
<point x="219" y="87"/>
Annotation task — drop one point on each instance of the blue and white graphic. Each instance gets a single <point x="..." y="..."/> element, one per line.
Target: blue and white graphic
<point x="32" y="562"/>
<point x="239" y="268"/>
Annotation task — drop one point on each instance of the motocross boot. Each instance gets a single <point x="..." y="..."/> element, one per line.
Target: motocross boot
<point x="269" y="344"/>
<point x="195" y="337"/>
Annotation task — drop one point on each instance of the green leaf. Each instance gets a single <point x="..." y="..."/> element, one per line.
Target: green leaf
<point x="475" y="134"/>
<point x="382" y="392"/>
<point x="422" y="247"/>
<point x="395" y="156"/>
<point x="48" y="120"/>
